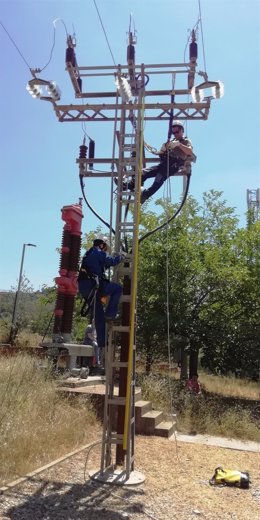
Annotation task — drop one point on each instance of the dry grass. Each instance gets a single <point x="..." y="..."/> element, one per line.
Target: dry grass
<point x="207" y="414"/>
<point x="36" y="424"/>
<point x="231" y="386"/>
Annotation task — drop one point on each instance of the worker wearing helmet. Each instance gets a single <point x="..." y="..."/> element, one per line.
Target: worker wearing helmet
<point x="93" y="284"/>
<point x="173" y="155"/>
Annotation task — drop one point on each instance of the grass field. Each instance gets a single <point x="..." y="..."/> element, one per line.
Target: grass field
<point x="36" y="423"/>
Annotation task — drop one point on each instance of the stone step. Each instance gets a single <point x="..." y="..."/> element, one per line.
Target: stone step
<point x="165" y="429"/>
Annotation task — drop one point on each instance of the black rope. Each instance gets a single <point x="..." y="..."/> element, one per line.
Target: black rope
<point x="171" y="118"/>
<point x="48" y="326"/>
<point x="92" y="209"/>
<point x="172" y="217"/>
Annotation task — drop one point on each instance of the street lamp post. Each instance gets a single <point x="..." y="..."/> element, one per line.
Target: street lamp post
<point x="17" y="294"/>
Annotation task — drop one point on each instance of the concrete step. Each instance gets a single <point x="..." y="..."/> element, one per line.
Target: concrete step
<point x="149" y="421"/>
<point x="141" y="407"/>
<point x="165" y="429"/>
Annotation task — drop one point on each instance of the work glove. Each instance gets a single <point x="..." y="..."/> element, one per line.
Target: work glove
<point x="173" y="144"/>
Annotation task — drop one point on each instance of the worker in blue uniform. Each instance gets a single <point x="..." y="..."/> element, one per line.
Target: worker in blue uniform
<point x="93" y="284"/>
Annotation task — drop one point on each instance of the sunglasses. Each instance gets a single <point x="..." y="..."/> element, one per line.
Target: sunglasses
<point x="176" y="132"/>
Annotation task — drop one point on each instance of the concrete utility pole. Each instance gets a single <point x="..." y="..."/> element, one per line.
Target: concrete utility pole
<point x="128" y="106"/>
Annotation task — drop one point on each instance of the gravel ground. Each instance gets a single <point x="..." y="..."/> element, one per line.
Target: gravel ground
<point x="176" y="487"/>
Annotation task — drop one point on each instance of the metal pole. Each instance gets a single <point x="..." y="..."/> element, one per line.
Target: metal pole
<point x="17" y="294"/>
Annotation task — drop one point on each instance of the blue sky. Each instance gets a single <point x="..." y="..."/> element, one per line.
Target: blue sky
<point x="39" y="174"/>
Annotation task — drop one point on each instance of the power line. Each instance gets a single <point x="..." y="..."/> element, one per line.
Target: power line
<point x="202" y="38"/>
<point x="104" y="32"/>
<point x="17" y="48"/>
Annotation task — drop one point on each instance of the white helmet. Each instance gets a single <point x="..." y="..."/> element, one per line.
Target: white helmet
<point x="178" y="123"/>
<point x="101" y="239"/>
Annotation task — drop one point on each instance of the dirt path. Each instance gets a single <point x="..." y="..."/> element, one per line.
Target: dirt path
<point x="176" y="487"/>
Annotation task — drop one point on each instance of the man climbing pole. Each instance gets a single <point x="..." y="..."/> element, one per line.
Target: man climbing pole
<point x="175" y="155"/>
<point x="93" y="285"/>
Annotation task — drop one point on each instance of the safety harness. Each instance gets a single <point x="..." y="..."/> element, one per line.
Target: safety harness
<point x="88" y="302"/>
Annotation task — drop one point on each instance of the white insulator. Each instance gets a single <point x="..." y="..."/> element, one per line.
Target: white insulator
<point x="218" y="90"/>
<point x="123" y="88"/>
<point x="34" y="90"/>
<point x="197" y="94"/>
<point x="54" y="90"/>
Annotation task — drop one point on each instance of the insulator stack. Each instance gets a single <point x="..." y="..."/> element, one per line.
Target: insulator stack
<point x="130" y="53"/>
<point x="70" y="56"/>
<point x="58" y="313"/>
<point x="193" y="51"/>
<point x="193" y="48"/>
<point x="75" y="253"/>
<point x="67" y="286"/>
<point x="83" y="151"/>
<point x="91" y="152"/>
<point x="65" y="250"/>
<point x="79" y="82"/>
<point x="68" y="314"/>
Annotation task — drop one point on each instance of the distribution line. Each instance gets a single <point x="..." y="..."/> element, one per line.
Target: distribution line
<point x="104" y="32"/>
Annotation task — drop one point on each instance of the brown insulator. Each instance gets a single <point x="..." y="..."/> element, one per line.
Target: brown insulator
<point x="65" y="250"/>
<point x="79" y="82"/>
<point x="59" y="309"/>
<point x="91" y="152"/>
<point x="68" y="314"/>
<point x="83" y="151"/>
<point x="75" y="253"/>
<point x="70" y="56"/>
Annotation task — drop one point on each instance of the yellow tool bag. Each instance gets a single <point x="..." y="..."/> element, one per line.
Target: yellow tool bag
<point x="230" y="477"/>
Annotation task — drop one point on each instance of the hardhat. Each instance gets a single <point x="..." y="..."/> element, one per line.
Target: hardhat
<point x="101" y="239"/>
<point x="178" y="123"/>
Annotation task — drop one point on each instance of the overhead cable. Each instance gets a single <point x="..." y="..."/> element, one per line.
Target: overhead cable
<point x="202" y="38"/>
<point x="92" y="209"/>
<point x="102" y="25"/>
<point x="17" y="48"/>
<point x="149" y="233"/>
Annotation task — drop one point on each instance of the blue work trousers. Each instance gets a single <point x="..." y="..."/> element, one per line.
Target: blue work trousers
<point x="107" y="288"/>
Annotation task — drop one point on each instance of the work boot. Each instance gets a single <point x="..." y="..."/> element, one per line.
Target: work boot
<point x="144" y="196"/>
